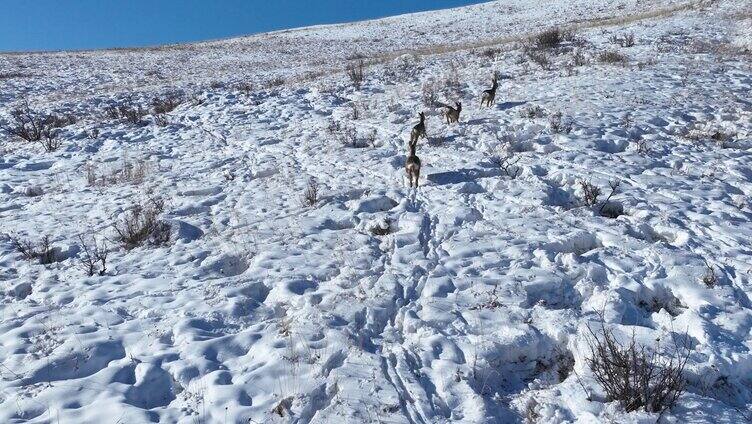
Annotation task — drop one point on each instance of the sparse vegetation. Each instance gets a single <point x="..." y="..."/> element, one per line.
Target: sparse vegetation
<point x="128" y="172"/>
<point x="311" y="193"/>
<point x="590" y="193"/>
<point x="710" y="278"/>
<point x="43" y="251"/>
<point x="93" y="256"/>
<point x="532" y="112"/>
<point x="612" y="57"/>
<point x="635" y="375"/>
<point x="128" y="110"/>
<point x="166" y="104"/>
<point x="507" y="164"/>
<point x="578" y="58"/>
<point x="429" y="94"/>
<point x="627" y="40"/>
<point x="548" y="39"/>
<point x="356" y="73"/>
<point x="141" y="225"/>
<point x="540" y="58"/>
<point x="33" y="126"/>
<point x="558" y="125"/>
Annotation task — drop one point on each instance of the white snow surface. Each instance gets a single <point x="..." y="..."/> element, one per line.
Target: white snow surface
<point x="473" y="302"/>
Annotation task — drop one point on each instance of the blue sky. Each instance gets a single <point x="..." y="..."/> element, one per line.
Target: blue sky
<point x="86" y="24"/>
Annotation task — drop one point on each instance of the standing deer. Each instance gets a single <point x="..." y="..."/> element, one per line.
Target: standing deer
<point x="452" y="114"/>
<point x="418" y="130"/>
<point x="489" y="96"/>
<point x="412" y="165"/>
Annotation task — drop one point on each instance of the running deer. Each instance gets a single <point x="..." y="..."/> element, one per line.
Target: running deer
<point x="418" y="130"/>
<point x="489" y="96"/>
<point x="412" y="166"/>
<point x="452" y="114"/>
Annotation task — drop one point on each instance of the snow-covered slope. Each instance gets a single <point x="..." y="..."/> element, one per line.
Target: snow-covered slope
<point x="466" y="300"/>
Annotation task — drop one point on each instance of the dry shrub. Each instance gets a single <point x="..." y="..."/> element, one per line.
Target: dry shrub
<point x="13" y="75"/>
<point x="590" y="193"/>
<point x="245" y="88"/>
<point x="93" y="255"/>
<point x="33" y="126"/>
<point x="429" y="94"/>
<point x="404" y="68"/>
<point x="627" y="40"/>
<point x="311" y="193"/>
<point x="356" y="73"/>
<point x="127" y="173"/>
<point x="710" y="278"/>
<point x="274" y="83"/>
<point x="163" y="105"/>
<point x="578" y="58"/>
<point x="532" y="112"/>
<point x="507" y="164"/>
<point x="453" y="82"/>
<point x="42" y="251"/>
<point x="634" y="375"/>
<point x="548" y="39"/>
<point x="558" y="125"/>
<point x="141" y="225"/>
<point x="613" y="58"/>
<point x="128" y="110"/>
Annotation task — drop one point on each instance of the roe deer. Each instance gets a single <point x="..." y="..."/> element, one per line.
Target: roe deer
<point x="489" y="96"/>
<point x="412" y="166"/>
<point x="418" y="130"/>
<point x="452" y="114"/>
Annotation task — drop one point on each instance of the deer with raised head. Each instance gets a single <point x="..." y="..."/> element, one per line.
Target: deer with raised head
<point x="452" y="114"/>
<point x="418" y="130"/>
<point x="489" y="96"/>
<point x="412" y="166"/>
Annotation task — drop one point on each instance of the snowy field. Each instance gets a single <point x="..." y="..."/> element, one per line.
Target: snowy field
<point x="466" y="300"/>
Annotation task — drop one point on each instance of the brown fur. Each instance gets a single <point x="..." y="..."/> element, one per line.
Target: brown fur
<point x="489" y="96"/>
<point x="452" y="115"/>
<point x="418" y="130"/>
<point x="412" y="166"/>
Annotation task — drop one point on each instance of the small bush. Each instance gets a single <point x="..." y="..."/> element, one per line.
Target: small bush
<point x="347" y="135"/>
<point x="92" y="134"/>
<point x="245" y="88"/>
<point x="32" y="126"/>
<point x="548" y="39"/>
<point x="590" y="193"/>
<point x="453" y="82"/>
<point x="578" y="58"/>
<point x="128" y="172"/>
<point x="628" y="40"/>
<point x="141" y="225"/>
<point x="274" y="83"/>
<point x="540" y="58"/>
<point x="356" y="73"/>
<point x="634" y="375"/>
<point x="311" y="193"/>
<point x="558" y="125"/>
<point x="710" y="278"/>
<point x="128" y="111"/>
<point x="93" y="255"/>
<point x="429" y="94"/>
<point x="532" y="112"/>
<point x="163" y="105"/>
<point x="507" y="164"/>
<point x="490" y="53"/>
<point x="613" y="58"/>
<point x="42" y="251"/>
